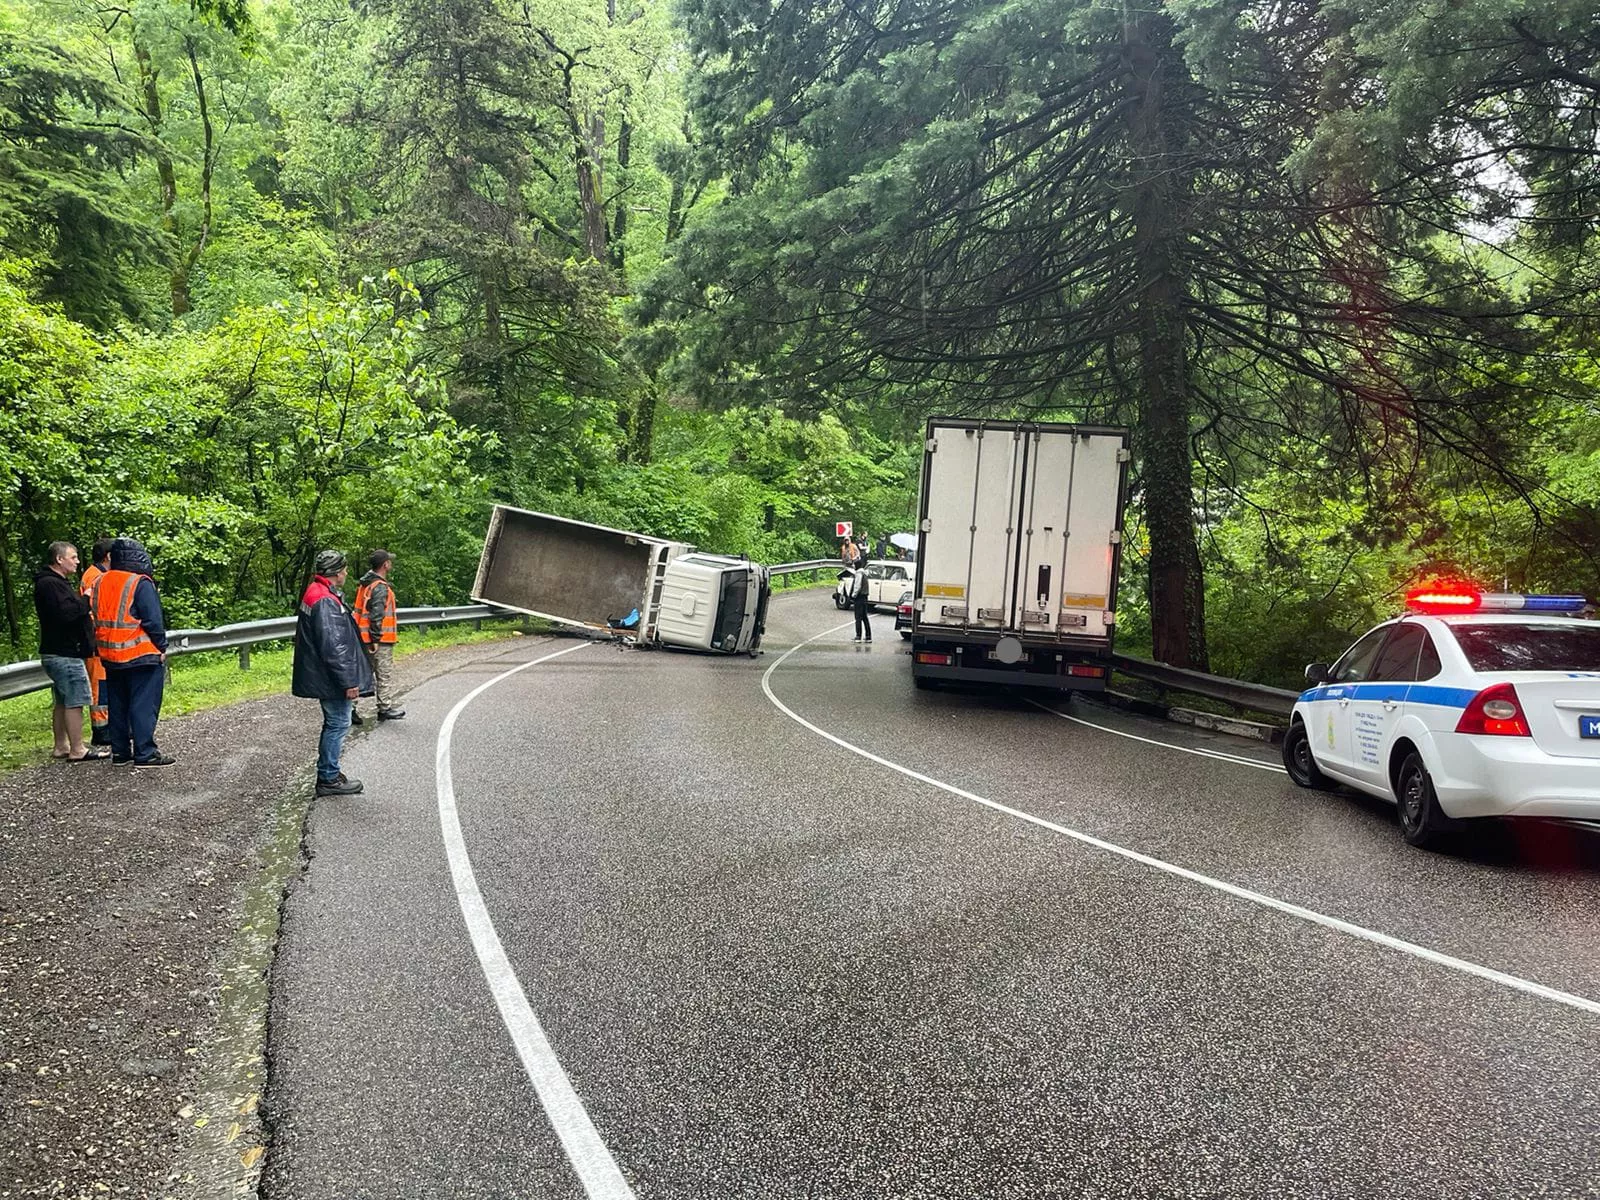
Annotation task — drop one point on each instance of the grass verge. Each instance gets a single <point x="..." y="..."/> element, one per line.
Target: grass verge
<point x="212" y="679"/>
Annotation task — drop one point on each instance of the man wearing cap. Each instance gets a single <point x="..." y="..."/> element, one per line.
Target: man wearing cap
<point x="330" y="667"/>
<point x="376" y="619"/>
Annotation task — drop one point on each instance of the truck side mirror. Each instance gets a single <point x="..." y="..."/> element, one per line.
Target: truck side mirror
<point x="1319" y="673"/>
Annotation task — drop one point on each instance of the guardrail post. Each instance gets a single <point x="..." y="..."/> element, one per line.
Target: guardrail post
<point x="477" y="626"/>
<point x="244" y="658"/>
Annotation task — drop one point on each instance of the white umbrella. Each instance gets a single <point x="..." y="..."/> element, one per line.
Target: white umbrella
<point x="906" y="541"/>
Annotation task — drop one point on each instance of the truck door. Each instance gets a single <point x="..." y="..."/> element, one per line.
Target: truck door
<point x="1065" y="581"/>
<point x="970" y="527"/>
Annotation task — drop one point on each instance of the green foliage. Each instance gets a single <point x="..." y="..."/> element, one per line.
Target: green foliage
<point x="753" y="482"/>
<point x="236" y="453"/>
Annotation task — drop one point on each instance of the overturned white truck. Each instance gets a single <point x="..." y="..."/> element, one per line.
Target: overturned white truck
<point x="646" y="590"/>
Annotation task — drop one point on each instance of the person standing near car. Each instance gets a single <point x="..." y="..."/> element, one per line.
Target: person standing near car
<point x="330" y="667"/>
<point x="859" y="588"/>
<point x="380" y="629"/>
<point x="130" y="636"/>
<point x="66" y="640"/>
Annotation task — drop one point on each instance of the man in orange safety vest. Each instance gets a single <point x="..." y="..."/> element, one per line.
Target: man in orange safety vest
<point x="131" y="640"/>
<point x="375" y="616"/>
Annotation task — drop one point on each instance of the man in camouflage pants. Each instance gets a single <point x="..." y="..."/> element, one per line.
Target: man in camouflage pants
<point x="375" y="617"/>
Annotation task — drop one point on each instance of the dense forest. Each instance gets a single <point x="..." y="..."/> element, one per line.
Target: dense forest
<point x="284" y="274"/>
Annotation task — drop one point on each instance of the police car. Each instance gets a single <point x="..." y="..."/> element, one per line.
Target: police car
<point x="1472" y="704"/>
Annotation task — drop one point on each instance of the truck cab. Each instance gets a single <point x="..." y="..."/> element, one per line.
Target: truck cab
<point x="714" y="602"/>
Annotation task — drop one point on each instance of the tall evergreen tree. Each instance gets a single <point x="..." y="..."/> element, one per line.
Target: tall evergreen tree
<point x="1003" y="205"/>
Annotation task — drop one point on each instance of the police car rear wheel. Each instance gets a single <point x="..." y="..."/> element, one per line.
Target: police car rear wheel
<point x="1299" y="762"/>
<point x="1422" y="822"/>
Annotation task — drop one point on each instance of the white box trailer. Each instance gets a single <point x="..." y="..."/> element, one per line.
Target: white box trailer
<point x="1019" y="545"/>
<point x="595" y="577"/>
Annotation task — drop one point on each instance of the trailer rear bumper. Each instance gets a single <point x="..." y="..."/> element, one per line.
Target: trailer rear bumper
<point x="1039" y="680"/>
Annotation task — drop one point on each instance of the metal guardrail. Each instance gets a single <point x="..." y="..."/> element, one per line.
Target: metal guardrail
<point x="815" y="564"/>
<point x="1257" y="697"/>
<point x="18" y="679"/>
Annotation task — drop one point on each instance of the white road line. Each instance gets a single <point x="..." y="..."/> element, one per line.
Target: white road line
<point x="1582" y="1003"/>
<point x="1238" y="759"/>
<point x="601" y="1177"/>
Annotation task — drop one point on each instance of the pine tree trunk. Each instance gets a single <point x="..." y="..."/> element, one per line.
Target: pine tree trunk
<point x="1177" y="581"/>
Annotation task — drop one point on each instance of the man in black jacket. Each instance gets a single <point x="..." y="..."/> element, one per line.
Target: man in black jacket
<point x="330" y="666"/>
<point x="66" y="639"/>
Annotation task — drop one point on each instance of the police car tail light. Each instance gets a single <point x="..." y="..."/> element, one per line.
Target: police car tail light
<point x="1495" y="711"/>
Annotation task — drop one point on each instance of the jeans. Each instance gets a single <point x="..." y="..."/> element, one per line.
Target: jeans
<point x="133" y="705"/>
<point x="335" y="724"/>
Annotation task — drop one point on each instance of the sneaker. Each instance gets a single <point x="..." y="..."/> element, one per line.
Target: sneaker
<point x="160" y="760"/>
<point x="391" y="714"/>
<point x="355" y="719"/>
<point x="339" y="787"/>
<point x="855" y="639"/>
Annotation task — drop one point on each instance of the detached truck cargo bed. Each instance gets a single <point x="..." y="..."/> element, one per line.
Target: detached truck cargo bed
<point x="1020" y="539"/>
<point x="592" y="576"/>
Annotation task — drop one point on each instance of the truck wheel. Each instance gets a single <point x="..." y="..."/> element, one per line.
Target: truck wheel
<point x="924" y="684"/>
<point x="1299" y="762"/>
<point x="1422" y="822"/>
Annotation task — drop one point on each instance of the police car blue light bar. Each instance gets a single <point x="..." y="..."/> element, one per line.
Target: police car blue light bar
<point x="1454" y="597"/>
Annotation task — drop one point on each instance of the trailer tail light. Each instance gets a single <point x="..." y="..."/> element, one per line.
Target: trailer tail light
<point x="1086" y="672"/>
<point x="934" y="660"/>
<point x="1496" y="711"/>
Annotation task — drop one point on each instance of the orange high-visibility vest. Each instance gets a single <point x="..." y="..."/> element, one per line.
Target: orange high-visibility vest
<point x="118" y="635"/>
<point x="389" y="631"/>
<point x="98" y="713"/>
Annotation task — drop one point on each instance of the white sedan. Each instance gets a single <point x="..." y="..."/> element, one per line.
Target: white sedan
<point x="1471" y="705"/>
<point x="886" y="579"/>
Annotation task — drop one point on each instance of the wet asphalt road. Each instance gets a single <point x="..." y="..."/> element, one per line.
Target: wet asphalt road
<point x="773" y="968"/>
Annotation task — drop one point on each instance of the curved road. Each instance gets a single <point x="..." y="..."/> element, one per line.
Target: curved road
<point x="744" y="955"/>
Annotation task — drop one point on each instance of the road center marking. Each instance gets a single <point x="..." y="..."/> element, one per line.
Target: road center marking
<point x="1582" y="1003"/>
<point x="602" y="1179"/>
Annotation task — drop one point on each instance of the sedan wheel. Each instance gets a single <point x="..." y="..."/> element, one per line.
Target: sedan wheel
<point x="1299" y="761"/>
<point x="1422" y="822"/>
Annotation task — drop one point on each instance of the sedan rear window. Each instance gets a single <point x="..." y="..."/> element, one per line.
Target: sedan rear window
<point x="1508" y="647"/>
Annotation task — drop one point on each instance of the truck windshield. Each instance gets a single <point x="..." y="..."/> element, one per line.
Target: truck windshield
<point x="1544" y="647"/>
<point x="730" y="609"/>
